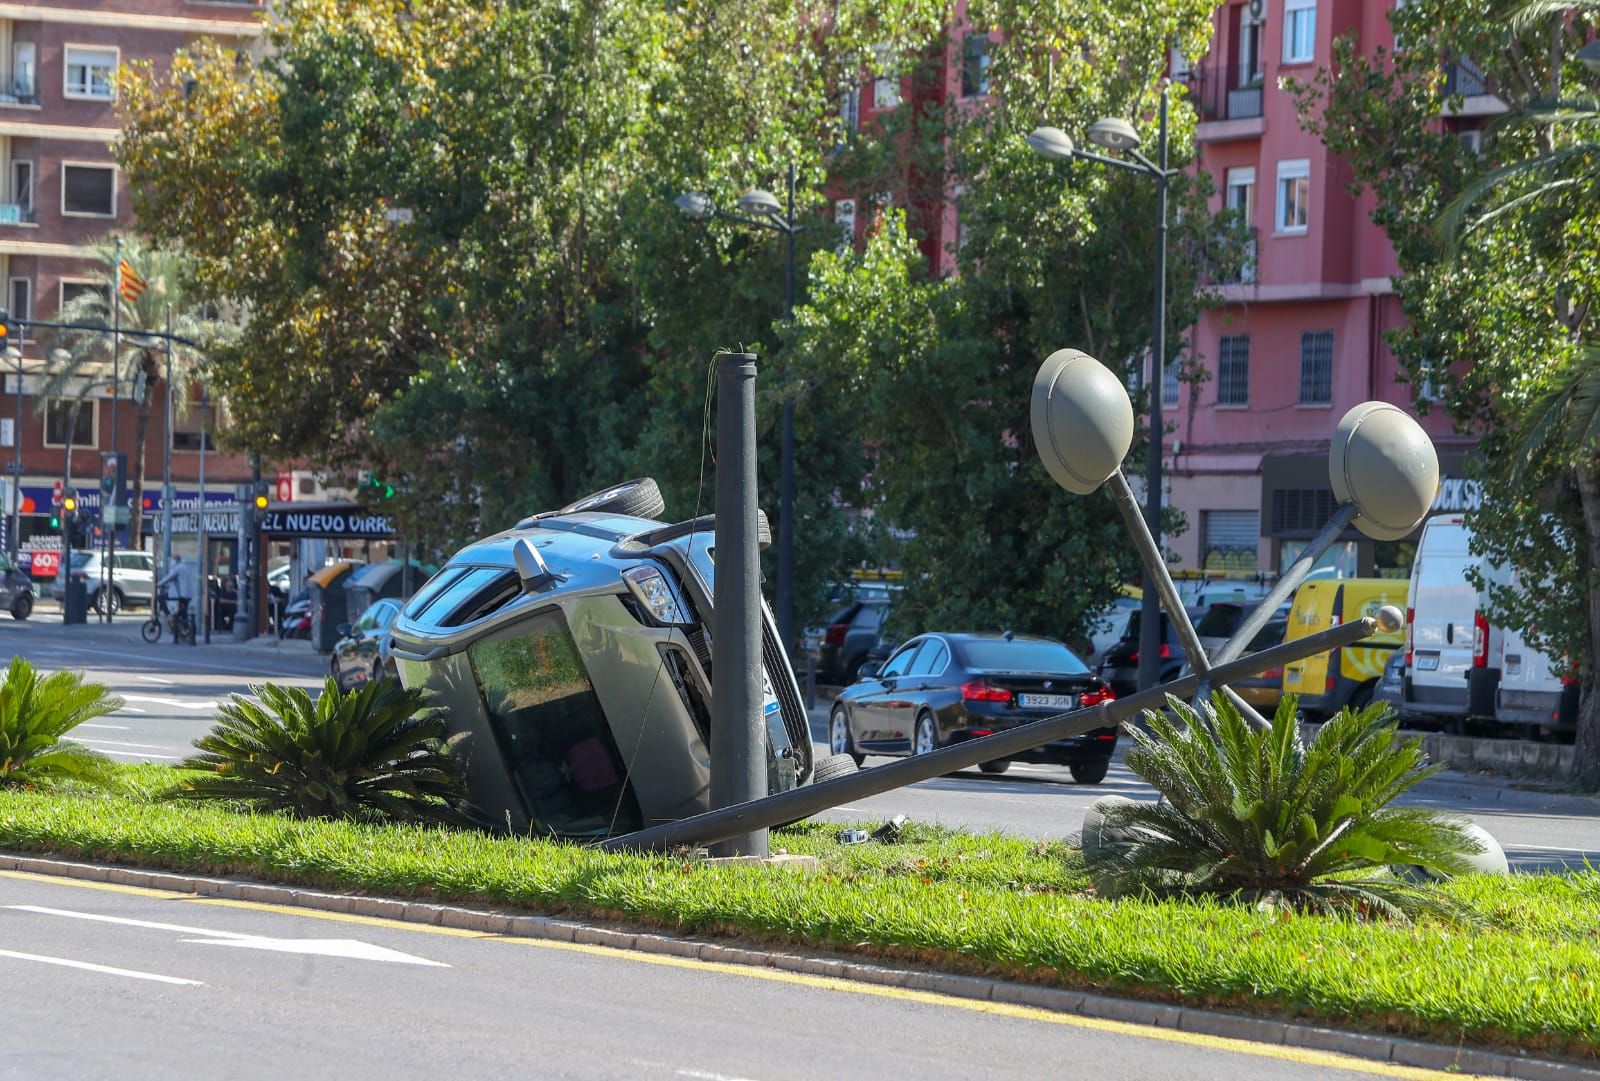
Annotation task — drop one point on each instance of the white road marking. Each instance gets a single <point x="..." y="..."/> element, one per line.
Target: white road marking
<point x="107" y="969"/>
<point x="132" y="709"/>
<point x="145" y="754"/>
<point x="107" y="727"/>
<point x="155" y="679"/>
<point x="327" y="947"/>
<point x="120" y="743"/>
<point x="170" y="703"/>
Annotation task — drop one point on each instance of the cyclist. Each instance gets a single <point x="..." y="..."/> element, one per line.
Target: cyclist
<point x="181" y="581"/>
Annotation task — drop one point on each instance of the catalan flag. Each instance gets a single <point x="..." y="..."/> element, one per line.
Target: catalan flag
<point x="129" y="283"/>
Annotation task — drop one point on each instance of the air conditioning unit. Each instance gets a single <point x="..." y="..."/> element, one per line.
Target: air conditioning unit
<point x="1258" y="10"/>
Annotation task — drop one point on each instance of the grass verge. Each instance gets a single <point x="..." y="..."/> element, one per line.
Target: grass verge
<point x="1527" y="978"/>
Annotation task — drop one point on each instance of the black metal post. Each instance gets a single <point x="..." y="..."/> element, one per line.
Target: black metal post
<point x="738" y="729"/>
<point x="16" y="468"/>
<point x="785" y="613"/>
<point x="723" y="822"/>
<point x="1149" y="606"/>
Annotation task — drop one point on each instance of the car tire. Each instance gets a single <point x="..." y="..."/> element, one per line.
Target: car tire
<point x="1090" y="771"/>
<point x="998" y="766"/>
<point x="637" y="498"/>
<point x="97" y="602"/>
<point x="925" y="737"/>
<point x="848" y="675"/>
<point x="333" y="671"/>
<point x="22" y="607"/>
<point x="834" y="766"/>
<point x="1362" y="698"/>
<point x="840" y="741"/>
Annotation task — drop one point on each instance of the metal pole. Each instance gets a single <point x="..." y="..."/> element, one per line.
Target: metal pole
<point x="1121" y="494"/>
<point x="785" y="613"/>
<point x="107" y="573"/>
<point x="738" y="729"/>
<point x="724" y="822"/>
<point x="1287" y="583"/>
<point x="166" y="463"/>
<point x="1150" y="621"/>
<point x="16" y="470"/>
<point x="200" y="522"/>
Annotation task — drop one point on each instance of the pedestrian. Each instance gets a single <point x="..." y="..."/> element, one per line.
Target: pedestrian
<point x="180" y="585"/>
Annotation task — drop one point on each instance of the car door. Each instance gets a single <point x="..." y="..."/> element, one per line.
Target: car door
<point x="873" y="711"/>
<point x="376" y="620"/>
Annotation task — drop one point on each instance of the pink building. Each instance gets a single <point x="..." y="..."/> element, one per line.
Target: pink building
<point x="1300" y="340"/>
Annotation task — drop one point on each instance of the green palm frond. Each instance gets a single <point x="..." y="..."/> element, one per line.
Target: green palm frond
<point x="376" y="751"/>
<point x="36" y="713"/>
<point x="1565" y="412"/>
<point x="1263" y="817"/>
<point x="1538" y="12"/>
<point x="1456" y="221"/>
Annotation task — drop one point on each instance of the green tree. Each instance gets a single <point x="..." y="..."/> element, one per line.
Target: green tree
<point x="1500" y="260"/>
<point x="141" y="365"/>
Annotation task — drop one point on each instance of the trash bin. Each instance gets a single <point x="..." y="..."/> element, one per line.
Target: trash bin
<point x="75" y="602"/>
<point x="329" y="603"/>
<point x="378" y="581"/>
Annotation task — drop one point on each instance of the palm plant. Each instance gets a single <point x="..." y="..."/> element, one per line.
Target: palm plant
<point x="1263" y="817"/>
<point x="376" y="751"/>
<point x="36" y="713"/>
<point x="85" y="358"/>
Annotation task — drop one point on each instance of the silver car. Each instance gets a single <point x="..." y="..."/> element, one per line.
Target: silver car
<point x="132" y="581"/>
<point x="582" y="693"/>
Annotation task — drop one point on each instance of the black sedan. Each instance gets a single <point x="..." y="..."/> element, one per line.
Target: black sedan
<point x="939" y="689"/>
<point x="359" y="654"/>
<point x="1120" y="667"/>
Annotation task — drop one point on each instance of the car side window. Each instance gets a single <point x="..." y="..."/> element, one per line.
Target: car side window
<point x="930" y="659"/>
<point x="869" y="618"/>
<point x="900" y="663"/>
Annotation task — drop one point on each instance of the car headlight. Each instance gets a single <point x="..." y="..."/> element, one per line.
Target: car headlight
<point x="653" y="591"/>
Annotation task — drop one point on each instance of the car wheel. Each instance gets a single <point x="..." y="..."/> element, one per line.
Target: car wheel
<point x="116" y="601"/>
<point x="638" y="498"/>
<point x="333" y="670"/>
<point x="1362" y="698"/>
<point x="926" y="739"/>
<point x="839" y="741"/>
<point x="1090" y="771"/>
<point x="22" y="607"/>
<point x="999" y="765"/>
<point x="833" y="767"/>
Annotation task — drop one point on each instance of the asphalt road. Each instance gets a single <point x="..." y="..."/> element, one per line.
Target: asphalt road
<point x="170" y="692"/>
<point x="1539" y="831"/>
<point x="113" y="982"/>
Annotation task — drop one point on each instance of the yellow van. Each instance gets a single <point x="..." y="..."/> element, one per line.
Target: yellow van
<point x="1343" y="677"/>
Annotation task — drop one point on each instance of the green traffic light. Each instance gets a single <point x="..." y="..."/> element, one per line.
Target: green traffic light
<point x="55" y="521"/>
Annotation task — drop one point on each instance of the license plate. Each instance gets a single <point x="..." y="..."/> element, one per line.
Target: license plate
<point x="1428" y="664"/>
<point x="1045" y="701"/>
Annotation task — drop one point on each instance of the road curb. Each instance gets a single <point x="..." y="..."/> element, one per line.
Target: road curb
<point x="1135" y="1011"/>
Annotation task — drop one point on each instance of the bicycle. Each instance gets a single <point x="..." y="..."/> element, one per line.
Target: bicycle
<point x="181" y="623"/>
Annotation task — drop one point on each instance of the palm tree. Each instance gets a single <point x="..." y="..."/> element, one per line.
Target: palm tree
<point x="142" y="362"/>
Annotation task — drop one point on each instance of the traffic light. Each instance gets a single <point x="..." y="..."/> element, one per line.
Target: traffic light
<point x="378" y="488"/>
<point x="261" y="501"/>
<point x="69" y="502"/>
<point x="7" y="337"/>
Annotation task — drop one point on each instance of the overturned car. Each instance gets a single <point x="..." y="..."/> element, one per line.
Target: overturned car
<point x="572" y="654"/>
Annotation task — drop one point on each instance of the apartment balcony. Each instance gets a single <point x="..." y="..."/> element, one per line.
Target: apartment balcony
<point x="1218" y="267"/>
<point x="1468" y="92"/>
<point x="17" y="214"/>
<point x="1227" y="110"/>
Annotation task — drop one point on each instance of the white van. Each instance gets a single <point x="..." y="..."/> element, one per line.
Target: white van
<point x="1532" y="688"/>
<point x="1449" y="643"/>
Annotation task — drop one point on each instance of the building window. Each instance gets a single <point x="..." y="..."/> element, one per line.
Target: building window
<point x="1250" y="69"/>
<point x="1316" y="367"/>
<point x="18" y="206"/>
<point x="89" y="190"/>
<point x="844" y="216"/>
<point x="1427" y="381"/>
<point x="20" y="294"/>
<point x="1299" y="31"/>
<point x="849" y="114"/>
<point x="1233" y="369"/>
<point x="1294" y="195"/>
<point x="24" y="68"/>
<point x="57" y="414"/>
<point x="1169" y="382"/>
<point x="72" y="290"/>
<point x="886" y="86"/>
<point x="975" y="65"/>
<point x="1241" y="193"/>
<point x="89" y="72"/>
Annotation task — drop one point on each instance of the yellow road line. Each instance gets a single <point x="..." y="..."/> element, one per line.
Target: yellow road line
<point x="1304" y="1056"/>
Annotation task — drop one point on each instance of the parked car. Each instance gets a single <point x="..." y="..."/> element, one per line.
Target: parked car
<point x="1391" y="688"/>
<point x="16" y="589"/>
<point x="1220" y="619"/>
<point x="1120" y="667"/>
<point x="361" y="653"/>
<point x="850" y="635"/>
<point x="1266" y="688"/>
<point x="132" y="577"/>
<point x="1106" y="630"/>
<point x="942" y="688"/>
<point x="571" y="658"/>
<point x="1348" y="676"/>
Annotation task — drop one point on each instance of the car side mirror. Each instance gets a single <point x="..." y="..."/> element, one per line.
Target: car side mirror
<point x="342" y="630"/>
<point x="868" y="670"/>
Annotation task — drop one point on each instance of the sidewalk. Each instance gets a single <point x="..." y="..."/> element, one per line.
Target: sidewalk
<point x="45" y="624"/>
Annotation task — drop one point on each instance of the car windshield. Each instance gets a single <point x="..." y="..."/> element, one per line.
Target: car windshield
<point x="81" y="559"/>
<point x="998" y="655"/>
<point x="1268" y="636"/>
<point x="1220" y="621"/>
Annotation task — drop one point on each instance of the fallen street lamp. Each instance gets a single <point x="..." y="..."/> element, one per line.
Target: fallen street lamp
<point x="1118" y="135"/>
<point x="762" y="209"/>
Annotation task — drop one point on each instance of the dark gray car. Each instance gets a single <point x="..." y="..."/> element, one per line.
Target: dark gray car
<point x="583" y="695"/>
<point x="16" y="589"/>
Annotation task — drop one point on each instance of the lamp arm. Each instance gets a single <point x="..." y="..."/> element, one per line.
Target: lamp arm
<point x="728" y="215"/>
<point x="1117" y="162"/>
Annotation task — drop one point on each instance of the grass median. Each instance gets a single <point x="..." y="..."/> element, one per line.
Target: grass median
<point x="1526" y="977"/>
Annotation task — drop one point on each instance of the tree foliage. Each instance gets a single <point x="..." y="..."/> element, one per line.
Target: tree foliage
<point x="452" y="234"/>
<point x="1500" y="261"/>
